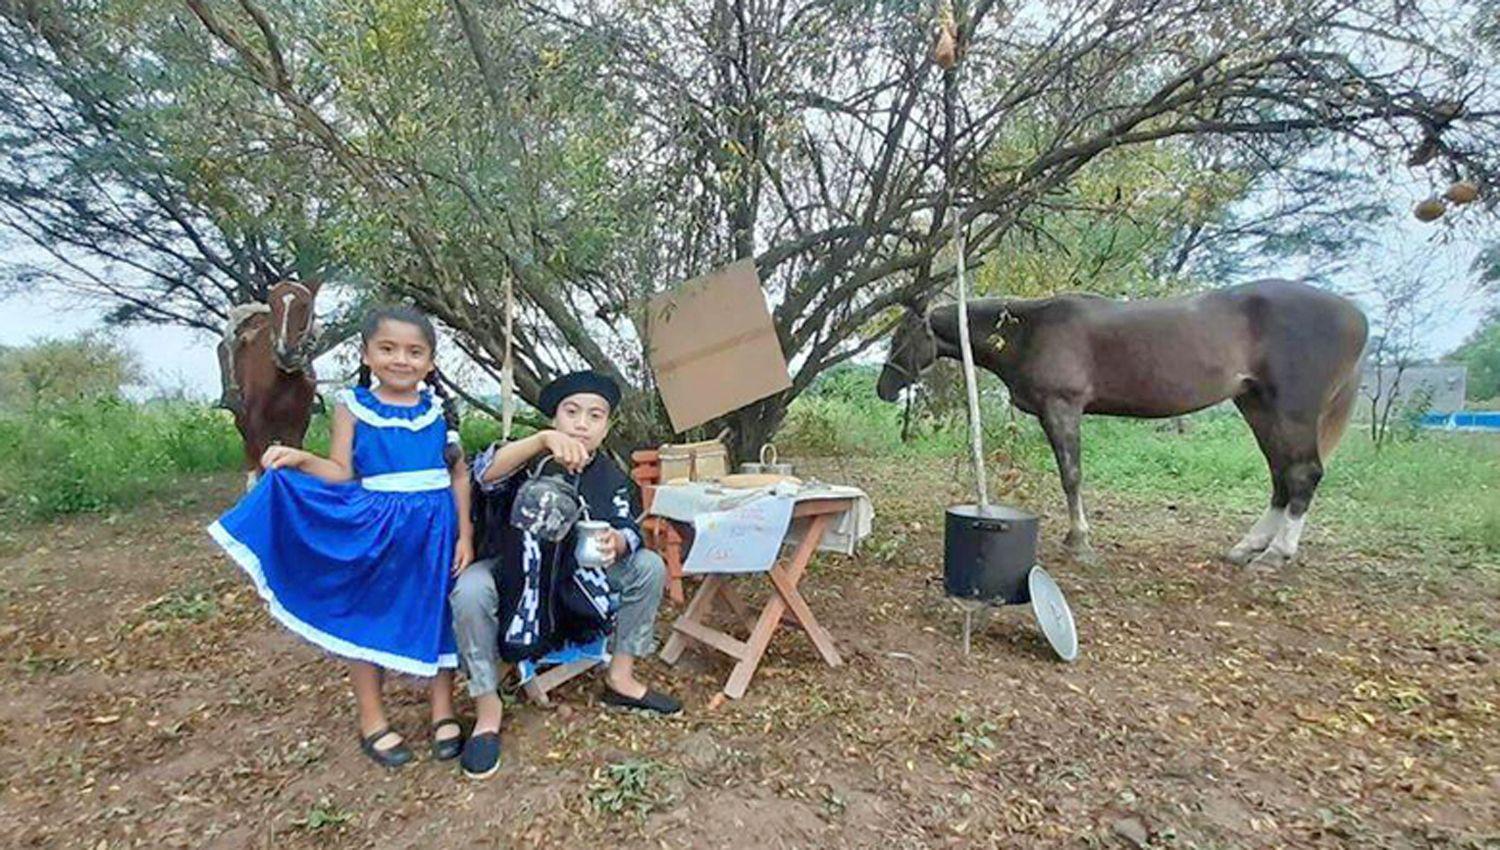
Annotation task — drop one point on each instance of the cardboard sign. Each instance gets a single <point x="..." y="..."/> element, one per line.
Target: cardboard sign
<point x="713" y="347"/>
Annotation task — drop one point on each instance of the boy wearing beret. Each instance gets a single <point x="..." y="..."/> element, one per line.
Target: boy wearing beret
<point x="489" y="601"/>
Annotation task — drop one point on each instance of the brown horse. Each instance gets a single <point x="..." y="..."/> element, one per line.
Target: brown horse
<point x="1287" y="353"/>
<point x="268" y="354"/>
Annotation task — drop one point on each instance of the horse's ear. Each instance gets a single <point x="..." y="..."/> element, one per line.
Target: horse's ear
<point x="917" y="303"/>
<point x="313" y="285"/>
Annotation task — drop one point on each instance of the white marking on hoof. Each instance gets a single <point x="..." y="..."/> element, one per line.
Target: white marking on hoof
<point x="1084" y="554"/>
<point x="1078" y="521"/>
<point x="1258" y="537"/>
<point x="1283" y="549"/>
<point x="1268" y="561"/>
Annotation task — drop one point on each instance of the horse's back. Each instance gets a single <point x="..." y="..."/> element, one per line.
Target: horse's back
<point x="1295" y="297"/>
<point x="1167" y="356"/>
<point x="1289" y="319"/>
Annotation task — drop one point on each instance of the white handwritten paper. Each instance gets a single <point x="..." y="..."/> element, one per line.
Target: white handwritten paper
<point x="743" y="539"/>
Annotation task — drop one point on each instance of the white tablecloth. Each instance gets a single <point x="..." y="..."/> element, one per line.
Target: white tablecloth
<point x="682" y="502"/>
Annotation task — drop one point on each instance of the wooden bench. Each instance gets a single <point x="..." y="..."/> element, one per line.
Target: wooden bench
<point x="553" y="677"/>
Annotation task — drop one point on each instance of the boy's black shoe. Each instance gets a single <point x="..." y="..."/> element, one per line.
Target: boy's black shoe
<point x="481" y="757"/>
<point x="655" y="702"/>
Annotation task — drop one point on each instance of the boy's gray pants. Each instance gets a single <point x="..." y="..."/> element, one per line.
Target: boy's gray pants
<point x="639" y="580"/>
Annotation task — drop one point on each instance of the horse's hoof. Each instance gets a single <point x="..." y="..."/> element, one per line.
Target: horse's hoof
<point x="1241" y="556"/>
<point x="1270" y="561"/>
<point x="1082" y="553"/>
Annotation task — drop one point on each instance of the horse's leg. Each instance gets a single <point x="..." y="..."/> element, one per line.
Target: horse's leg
<point x="1263" y="424"/>
<point x="1060" y="420"/>
<point x="252" y="431"/>
<point x="1303" y="472"/>
<point x="252" y="468"/>
<point x="1264" y="530"/>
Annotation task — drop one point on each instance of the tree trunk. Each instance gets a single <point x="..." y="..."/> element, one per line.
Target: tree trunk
<point x="753" y="426"/>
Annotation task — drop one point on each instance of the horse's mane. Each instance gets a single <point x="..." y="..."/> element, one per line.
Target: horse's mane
<point x="240" y="313"/>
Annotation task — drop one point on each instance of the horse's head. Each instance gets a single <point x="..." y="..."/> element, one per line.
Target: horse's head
<point x="292" y="335"/>
<point x="913" y="349"/>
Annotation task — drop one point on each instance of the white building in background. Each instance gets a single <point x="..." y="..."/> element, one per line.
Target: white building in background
<point x="1439" y="387"/>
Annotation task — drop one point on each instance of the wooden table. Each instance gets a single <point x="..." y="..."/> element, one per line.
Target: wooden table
<point x="786" y="603"/>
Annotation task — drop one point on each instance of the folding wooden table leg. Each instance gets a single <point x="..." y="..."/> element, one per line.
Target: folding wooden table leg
<point x="737" y="604"/>
<point x="770" y="615"/>
<point x="697" y="611"/>
<point x="755" y="647"/>
<point x="787" y="588"/>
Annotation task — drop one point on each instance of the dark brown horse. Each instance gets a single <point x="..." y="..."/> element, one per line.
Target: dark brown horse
<point x="1287" y="353"/>
<point x="267" y="355"/>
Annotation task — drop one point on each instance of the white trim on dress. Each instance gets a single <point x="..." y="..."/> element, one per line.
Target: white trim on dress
<point x="369" y="417"/>
<point x="250" y="563"/>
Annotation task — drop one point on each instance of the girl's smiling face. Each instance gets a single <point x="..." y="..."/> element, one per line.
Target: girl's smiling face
<point x="398" y="354"/>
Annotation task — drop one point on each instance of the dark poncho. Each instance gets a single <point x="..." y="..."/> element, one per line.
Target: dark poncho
<point x="546" y="600"/>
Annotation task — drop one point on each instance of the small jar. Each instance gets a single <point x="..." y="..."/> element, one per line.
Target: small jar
<point x="588" y="548"/>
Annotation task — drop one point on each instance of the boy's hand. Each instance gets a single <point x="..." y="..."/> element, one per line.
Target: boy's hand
<point x="463" y="554"/>
<point x="566" y="450"/>
<point x="279" y="457"/>
<point x="614" y="546"/>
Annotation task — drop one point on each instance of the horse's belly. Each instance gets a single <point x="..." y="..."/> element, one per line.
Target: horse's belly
<point x="1162" y="395"/>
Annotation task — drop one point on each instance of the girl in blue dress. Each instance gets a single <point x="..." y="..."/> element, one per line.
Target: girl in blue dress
<point x="356" y="552"/>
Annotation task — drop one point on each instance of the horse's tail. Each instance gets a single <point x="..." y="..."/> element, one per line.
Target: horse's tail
<point x="1335" y="416"/>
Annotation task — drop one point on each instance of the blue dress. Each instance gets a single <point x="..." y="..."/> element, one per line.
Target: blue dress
<point x="361" y="568"/>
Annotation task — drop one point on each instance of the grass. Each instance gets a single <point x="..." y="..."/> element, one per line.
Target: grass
<point x="1426" y="489"/>
<point x="631" y="786"/>
<point x="90" y="456"/>
<point x="1435" y="489"/>
<point x="99" y="454"/>
<point x="191" y="604"/>
<point x="323" y="815"/>
<point x="1432" y="489"/>
<point x="972" y="741"/>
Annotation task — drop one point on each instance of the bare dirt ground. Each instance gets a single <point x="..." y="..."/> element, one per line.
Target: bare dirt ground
<point x="1350" y="701"/>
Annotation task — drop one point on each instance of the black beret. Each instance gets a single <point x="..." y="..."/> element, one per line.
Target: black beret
<point x="573" y="383"/>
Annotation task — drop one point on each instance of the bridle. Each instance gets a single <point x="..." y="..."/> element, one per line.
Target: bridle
<point x="890" y="362"/>
<point x="297" y="358"/>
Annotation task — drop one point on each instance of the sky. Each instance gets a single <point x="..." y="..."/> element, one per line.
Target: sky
<point x="182" y="360"/>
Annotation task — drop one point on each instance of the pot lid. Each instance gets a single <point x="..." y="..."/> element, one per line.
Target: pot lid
<point x="1052" y="614"/>
<point x="973" y="511"/>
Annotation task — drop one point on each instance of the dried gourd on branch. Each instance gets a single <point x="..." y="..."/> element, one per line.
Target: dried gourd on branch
<point x="945" y="51"/>
<point x="1431" y="209"/>
<point x="1462" y="192"/>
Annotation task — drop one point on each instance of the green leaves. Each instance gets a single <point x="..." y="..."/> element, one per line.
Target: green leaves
<point x="630" y="787"/>
<point x="322" y="815"/>
<point x="1481" y="353"/>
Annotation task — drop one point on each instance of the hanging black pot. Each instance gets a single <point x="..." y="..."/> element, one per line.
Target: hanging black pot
<point x="988" y="553"/>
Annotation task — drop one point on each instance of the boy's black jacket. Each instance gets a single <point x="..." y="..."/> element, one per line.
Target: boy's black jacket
<point x="610" y="495"/>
